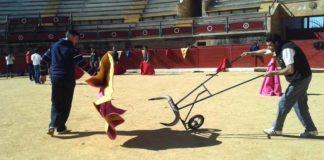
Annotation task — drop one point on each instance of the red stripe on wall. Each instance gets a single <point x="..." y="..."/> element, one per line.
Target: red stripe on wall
<point x="23" y="21"/>
<point x="50" y="36"/>
<point x="210" y="28"/>
<point x="88" y="35"/>
<point x="177" y="30"/>
<point x="145" y="32"/>
<point x="56" y="20"/>
<point x="113" y="34"/>
<point x="32" y="37"/>
<point x="246" y="26"/>
<point x="24" y="37"/>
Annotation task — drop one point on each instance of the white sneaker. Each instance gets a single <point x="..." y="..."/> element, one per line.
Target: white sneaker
<point x="308" y="134"/>
<point x="272" y="132"/>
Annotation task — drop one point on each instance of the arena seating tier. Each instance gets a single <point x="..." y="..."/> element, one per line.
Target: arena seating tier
<point x="160" y="8"/>
<point x="82" y="10"/>
<point x="217" y="7"/>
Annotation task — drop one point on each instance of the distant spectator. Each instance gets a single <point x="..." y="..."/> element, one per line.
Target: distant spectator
<point x="128" y="52"/>
<point x="10" y="62"/>
<point x="254" y="47"/>
<point x="146" y="67"/>
<point x="189" y="46"/>
<point x="94" y="59"/>
<point x="45" y="68"/>
<point x="118" y="68"/>
<point x="36" y="58"/>
<point x="115" y="55"/>
<point x="146" y="54"/>
<point x="29" y="64"/>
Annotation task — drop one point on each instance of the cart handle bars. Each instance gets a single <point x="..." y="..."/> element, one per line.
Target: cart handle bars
<point x="203" y="84"/>
<point x="176" y="109"/>
<point x="174" y="106"/>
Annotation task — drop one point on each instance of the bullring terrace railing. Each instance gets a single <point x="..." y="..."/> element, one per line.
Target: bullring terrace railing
<point x="43" y="29"/>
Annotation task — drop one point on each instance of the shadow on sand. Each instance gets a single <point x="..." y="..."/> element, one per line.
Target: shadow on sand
<point x="286" y="136"/>
<point x="298" y="137"/>
<point x="160" y="139"/>
<point x="314" y="94"/>
<point x="165" y="138"/>
<point x="78" y="134"/>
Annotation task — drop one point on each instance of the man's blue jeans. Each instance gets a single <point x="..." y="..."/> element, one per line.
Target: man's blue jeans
<point x="36" y="73"/>
<point x="295" y="96"/>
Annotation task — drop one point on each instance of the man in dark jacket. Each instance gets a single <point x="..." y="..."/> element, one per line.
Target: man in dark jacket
<point x="297" y="72"/>
<point x="63" y="56"/>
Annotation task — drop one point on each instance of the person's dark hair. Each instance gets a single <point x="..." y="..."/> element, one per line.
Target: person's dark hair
<point x="72" y="32"/>
<point x="145" y="47"/>
<point x="93" y="50"/>
<point x="274" y="38"/>
<point x="36" y="50"/>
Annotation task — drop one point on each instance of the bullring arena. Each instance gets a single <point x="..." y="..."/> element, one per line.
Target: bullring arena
<point x="188" y="41"/>
<point x="232" y="128"/>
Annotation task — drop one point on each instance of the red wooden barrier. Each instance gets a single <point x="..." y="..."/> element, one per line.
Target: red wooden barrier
<point x="201" y="57"/>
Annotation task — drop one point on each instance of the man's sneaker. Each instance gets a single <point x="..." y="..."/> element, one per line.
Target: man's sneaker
<point x="272" y="132"/>
<point x="51" y="131"/>
<point x="308" y="134"/>
<point x="63" y="132"/>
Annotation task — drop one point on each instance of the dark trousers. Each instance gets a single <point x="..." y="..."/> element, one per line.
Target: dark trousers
<point x="295" y="96"/>
<point x="62" y="95"/>
<point x="31" y="71"/>
<point x="9" y="70"/>
<point x="36" y="73"/>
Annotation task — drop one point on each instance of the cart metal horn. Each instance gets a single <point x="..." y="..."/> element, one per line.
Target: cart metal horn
<point x="196" y="121"/>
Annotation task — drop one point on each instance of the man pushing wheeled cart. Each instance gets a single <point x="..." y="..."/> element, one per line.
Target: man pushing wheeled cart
<point x="297" y="72"/>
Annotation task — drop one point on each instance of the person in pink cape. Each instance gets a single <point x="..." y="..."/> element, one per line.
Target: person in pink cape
<point x="119" y="69"/>
<point x="145" y="66"/>
<point x="222" y="66"/>
<point x="271" y="85"/>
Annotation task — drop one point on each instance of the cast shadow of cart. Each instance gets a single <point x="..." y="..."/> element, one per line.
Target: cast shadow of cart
<point x="165" y="138"/>
<point x="308" y="138"/>
<point x="314" y="94"/>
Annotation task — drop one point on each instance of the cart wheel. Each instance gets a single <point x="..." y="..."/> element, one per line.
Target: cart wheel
<point x="196" y="121"/>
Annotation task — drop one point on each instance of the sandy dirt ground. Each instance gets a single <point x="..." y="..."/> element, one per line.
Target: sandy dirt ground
<point x="233" y="126"/>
